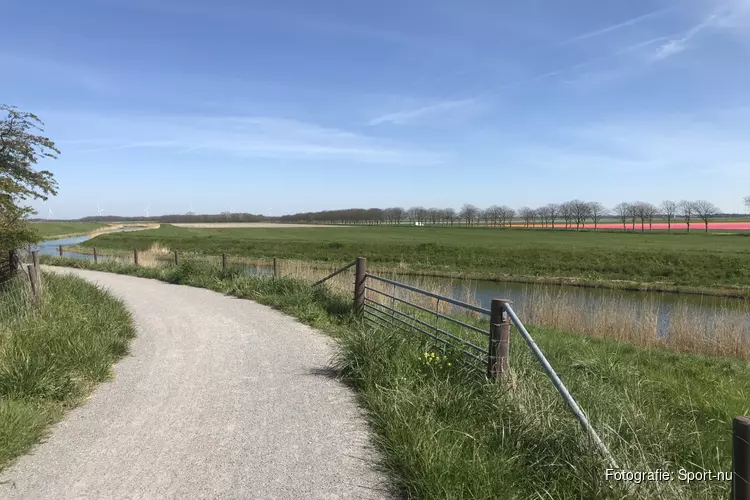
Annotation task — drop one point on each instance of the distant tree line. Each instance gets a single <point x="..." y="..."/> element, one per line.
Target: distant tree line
<point x="574" y="214"/>
<point x="182" y="218"/>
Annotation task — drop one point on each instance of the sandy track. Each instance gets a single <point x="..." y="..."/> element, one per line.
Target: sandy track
<point x="220" y="398"/>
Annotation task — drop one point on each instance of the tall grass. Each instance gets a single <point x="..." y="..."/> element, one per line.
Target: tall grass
<point x="52" y="356"/>
<point x="445" y="432"/>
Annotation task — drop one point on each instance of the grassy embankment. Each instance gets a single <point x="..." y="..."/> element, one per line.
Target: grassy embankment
<point x="47" y="230"/>
<point x="52" y="357"/>
<point x="715" y="264"/>
<point x="445" y="432"/>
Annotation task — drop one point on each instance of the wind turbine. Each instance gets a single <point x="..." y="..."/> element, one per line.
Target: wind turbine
<point x="49" y="216"/>
<point x="269" y="212"/>
<point x="99" y="210"/>
<point x="146" y="210"/>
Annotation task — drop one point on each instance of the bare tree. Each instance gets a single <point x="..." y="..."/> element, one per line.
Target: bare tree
<point x="580" y="212"/>
<point x="528" y="215"/>
<point x="395" y="215"/>
<point x="434" y="215"/>
<point x="486" y="214"/>
<point x="450" y="215"/>
<point x="705" y="210"/>
<point x="506" y="215"/>
<point x="417" y="215"/>
<point x="686" y="210"/>
<point x="469" y="213"/>
<point x="494" y="214"/>
<point x="640" y="211"/>
<point x="622" y="211"/>
<point x="553" y="212"/>
<point x="651" y="211"/>
<point x="633" y="213"/>
<point x="669" y="210"/>
<point x="566" y="212"/>
<point x="596" y="212"/>
<point x="544" y="215"/>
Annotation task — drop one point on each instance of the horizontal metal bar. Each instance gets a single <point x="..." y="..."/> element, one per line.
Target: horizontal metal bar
<point x="430" y="294"/>
<point x="335" y="273"/>
<point x="461" y="340"/>
<point x="413" y="327"/>
<point x="380" y="322"/>
<point x="426" y="324"/>
<point x="403" y="301"/>
<point x="465" y="325"/>
<point x="383" y="322"/>
<point x="560" y="386"/>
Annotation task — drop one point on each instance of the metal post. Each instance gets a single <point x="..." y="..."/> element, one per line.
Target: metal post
<point x="741" y="458"/>
<point x="275" y="268"/>
<point x="224" y="261"/>
<point x="359" y="284"/>
<point x="135" y="256"/>
<point x="497" y="360"/>
<point x="59" y="248"/>
<point x="176" y="258"/>
<point x="96" y="257"/>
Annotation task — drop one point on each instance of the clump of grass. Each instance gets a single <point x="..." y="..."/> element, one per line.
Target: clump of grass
<point x="52" y="356"/>
<point x="446" y="432"/>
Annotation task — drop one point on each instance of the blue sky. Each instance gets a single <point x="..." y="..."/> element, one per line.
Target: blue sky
<point x="295" y="105"/>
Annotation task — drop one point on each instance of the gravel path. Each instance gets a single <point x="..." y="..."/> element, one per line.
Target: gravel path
<point x="220" y="398"/>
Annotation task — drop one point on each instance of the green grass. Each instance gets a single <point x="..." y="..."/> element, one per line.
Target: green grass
<point x="666" y="261"/>
<point x="446" y="433"/>
<point x="52" y="357"/>
<point x="47" y="230"/>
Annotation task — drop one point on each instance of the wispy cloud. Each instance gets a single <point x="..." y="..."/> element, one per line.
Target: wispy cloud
<point x="240" y="136"/>
<point x="681" y="43"/>
<point x="615" y="27"/>
<point x="414" y="114"/>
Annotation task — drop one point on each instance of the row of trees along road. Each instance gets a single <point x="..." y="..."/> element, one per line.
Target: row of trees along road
<point x="571" y="214"/>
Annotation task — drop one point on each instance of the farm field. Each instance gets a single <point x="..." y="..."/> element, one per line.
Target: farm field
<point x="720" y="262"/>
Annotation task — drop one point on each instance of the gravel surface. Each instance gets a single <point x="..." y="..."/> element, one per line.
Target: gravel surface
<point x="220" y="398"/>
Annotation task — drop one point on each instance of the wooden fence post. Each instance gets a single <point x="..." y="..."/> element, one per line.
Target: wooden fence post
<point x="96" y="257"/>
<point x="36" y="288"/>
<point x="499" y="348"/>
<point x="275" y="268"/>
<point x="176" y="258"/>
<point x="360" y="274"/>
<point x="224" y="262"/>
<point x="35" y="258"/>
<point x="741" y="458"/>
<point x="59" y="248"/>
<point x="135" y="256"/>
